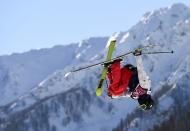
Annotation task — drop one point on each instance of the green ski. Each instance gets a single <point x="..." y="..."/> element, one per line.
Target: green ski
<point x="104" y="72"/>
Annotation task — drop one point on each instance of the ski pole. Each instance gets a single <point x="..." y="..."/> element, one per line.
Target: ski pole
<point x="121" y="56"/>
<point x="159" y="52"/>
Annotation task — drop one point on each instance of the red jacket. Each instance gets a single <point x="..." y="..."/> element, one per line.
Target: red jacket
<point x="119" y="80"/>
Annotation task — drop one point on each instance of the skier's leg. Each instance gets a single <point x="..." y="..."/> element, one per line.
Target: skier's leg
<point x="115" y="73"/>
<point x="144" y="79"/>
<point x="134" y="81"/>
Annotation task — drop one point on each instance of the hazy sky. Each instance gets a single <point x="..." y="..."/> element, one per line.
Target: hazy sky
<point x="31" y="24"/>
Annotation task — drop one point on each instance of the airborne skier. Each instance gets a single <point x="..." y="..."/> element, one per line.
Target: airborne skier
<point x="130" y="81"/>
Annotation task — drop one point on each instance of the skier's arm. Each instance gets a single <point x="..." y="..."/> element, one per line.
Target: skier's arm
<point x="144" y="79"/>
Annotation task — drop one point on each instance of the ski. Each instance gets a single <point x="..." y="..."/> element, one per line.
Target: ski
<point x="104" y="72"/>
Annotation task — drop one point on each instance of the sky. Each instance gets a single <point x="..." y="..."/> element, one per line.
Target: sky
<point x="35" y="24"/>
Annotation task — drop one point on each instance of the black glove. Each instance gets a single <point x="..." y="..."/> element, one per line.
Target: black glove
<point x="118" y="59"/>
<point x="109" y="70"/>
<point x="137" y="52"/>
<point x="108" y="64"/>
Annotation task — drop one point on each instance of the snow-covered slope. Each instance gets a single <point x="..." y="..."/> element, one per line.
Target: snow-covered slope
<point x="21" y="72"/>
<point x="68" y="103"/>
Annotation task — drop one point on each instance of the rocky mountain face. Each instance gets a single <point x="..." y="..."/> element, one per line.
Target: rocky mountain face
<point x="53" y="102"/>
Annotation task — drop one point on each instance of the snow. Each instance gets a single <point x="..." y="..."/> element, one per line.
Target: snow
<point x="99" y="120"/>
<point x="28" y="69"/>
<point x="166" y="103"/>
<point x="67" y="74"/>
<point x="22" y="72"/>
<point x="125" y="37"/>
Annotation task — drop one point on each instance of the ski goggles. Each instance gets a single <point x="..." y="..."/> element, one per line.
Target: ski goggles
<point x="145" y="107"/>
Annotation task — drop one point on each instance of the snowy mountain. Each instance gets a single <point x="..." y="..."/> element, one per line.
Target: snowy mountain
<point x="19" y="73"/>
<point x="37" y="96"/>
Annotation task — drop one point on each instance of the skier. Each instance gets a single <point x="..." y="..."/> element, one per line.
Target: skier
<point x="130" y="81"/>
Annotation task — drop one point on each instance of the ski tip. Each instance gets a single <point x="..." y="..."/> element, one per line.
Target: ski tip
<point x="172" y="51"/>
<point x="98" y="91"/>
<point x="67" y="74"/>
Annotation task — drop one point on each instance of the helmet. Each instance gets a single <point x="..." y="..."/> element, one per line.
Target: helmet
<point x="145" y="102"/>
